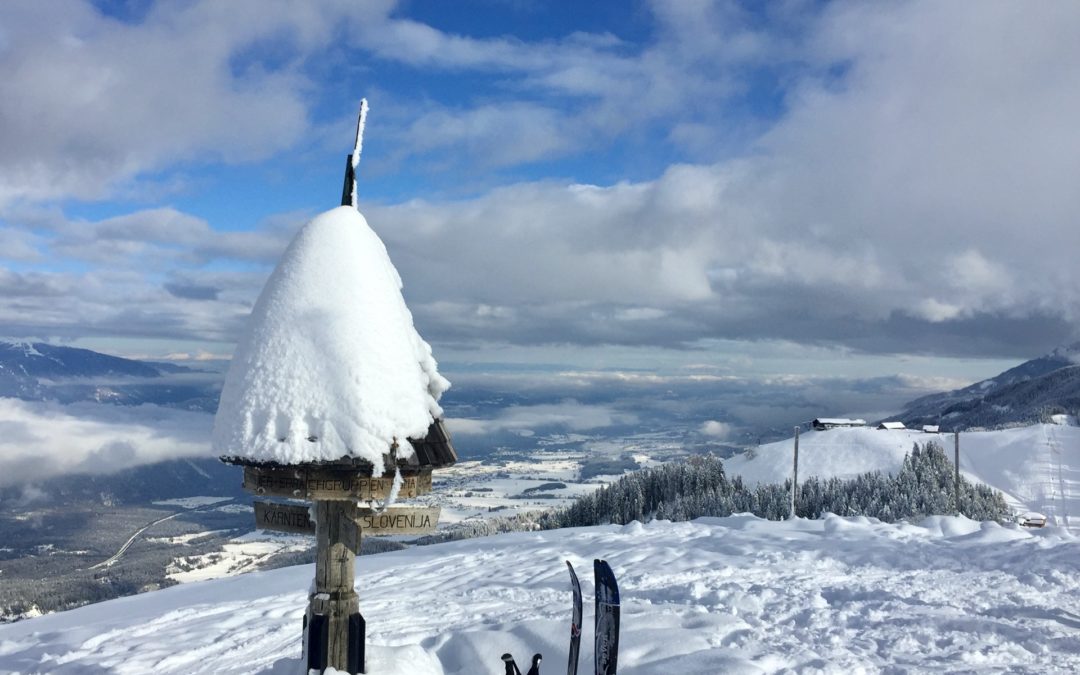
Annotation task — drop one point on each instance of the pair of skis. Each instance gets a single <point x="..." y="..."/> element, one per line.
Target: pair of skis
<point x="606" y="626"/>
<point x="605" y="629"/>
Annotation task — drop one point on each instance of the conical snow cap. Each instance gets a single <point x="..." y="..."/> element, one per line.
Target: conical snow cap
<point x="330" y="365"/>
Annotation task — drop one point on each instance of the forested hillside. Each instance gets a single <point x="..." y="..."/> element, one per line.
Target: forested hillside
<point x="699" y="487"/>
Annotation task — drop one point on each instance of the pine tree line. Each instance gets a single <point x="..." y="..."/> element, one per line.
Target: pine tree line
<point x="518" y="522"/>
<point x="699" y="487"/>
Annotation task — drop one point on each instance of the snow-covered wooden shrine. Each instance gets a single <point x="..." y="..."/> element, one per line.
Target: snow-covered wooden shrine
<point x="332" y="397"/>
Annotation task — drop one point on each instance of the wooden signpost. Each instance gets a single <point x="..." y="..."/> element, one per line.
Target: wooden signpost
<point x="296" y="519"/>
<point x="319" y="482"/>
<point x="346" y="501"/>
<point x="334" y="629"/>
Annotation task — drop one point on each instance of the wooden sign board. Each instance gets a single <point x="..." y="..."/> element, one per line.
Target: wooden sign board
<point x="321" y="483"/>
<point x="398" y="520"/>
<point x="284" y="518"/>
<point x="296" y="519"/>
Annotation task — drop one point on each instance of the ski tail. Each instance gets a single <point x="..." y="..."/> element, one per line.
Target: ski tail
<point x="511" y="667"/>
<point x="606" y="637"/>
<point x="575" y="624"/>
<point x="535" y="670"/>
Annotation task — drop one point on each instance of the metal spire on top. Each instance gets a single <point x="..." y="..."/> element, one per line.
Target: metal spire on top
<point x="348" y="190"/>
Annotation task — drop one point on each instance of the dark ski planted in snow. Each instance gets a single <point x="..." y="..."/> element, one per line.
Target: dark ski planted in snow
<point x="607" y="619"/>
<point x="575" y="623"/>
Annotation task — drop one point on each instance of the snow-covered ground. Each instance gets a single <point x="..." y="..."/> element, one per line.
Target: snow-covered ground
<point x="473" y="490"/>
<point x="1036" y="467"/>
<point x="727" y="595"/>
<point x="185" y="538"/>
<point x="242" y="554"/>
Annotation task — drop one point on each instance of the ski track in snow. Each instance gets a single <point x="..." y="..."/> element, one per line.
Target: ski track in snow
<point x="731" y="595"/>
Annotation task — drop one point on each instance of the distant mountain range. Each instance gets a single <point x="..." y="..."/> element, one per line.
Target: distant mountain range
<point x="39" y="371"/>
<point x="1026" y="394"/>
<point x="140" y="484"/>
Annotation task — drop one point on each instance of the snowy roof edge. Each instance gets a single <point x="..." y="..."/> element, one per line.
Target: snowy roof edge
<point x="434" y="451"/>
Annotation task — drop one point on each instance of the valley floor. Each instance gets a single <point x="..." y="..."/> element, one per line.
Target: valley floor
<point x="731" y="595"/>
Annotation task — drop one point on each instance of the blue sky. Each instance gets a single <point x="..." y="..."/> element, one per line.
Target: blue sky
<point x="804" y="189"/>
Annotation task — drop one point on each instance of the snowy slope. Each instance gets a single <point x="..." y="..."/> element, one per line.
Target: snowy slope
<point x="731" y="595"/>
<point x="1036" y="467"/>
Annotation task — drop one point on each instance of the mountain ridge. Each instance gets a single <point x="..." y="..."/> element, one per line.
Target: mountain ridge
<point x="38" y="371"/>
<point x="1029" y="393"/>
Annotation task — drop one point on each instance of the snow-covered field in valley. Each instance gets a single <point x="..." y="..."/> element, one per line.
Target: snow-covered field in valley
<point x="472" y="490"/>
<point x="726" y="595"/>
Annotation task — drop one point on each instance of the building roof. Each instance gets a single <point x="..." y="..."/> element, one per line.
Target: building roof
<point x="891" y="425"/>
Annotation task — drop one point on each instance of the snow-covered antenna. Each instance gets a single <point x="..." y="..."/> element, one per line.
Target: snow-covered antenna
<point x="348" y="190"/>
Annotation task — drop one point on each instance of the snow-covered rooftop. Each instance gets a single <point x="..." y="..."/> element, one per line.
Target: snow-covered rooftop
<point x="840" y="421"/>
<point x="330" y="365"/>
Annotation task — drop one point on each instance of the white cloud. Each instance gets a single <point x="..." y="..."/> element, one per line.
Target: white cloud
<point x="199" y="355"/>
<point x="19" y="245"/>
<point x="920" y="170"/>
<point x="546" y="243"/>
<point x="41" y="440"/>
<point x="916" y="182"/>
<point x="481" y="133"/>
<point x="89" y="102"/>
<point x="92" y="103"/>
<point x="936" y="311"/>
<point x="568" y="415"/>
<point x="716" y="430"/>
<point x="639" y="314"/>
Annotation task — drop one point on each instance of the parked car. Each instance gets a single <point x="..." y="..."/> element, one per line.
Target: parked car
<point x="1031" y="519"/>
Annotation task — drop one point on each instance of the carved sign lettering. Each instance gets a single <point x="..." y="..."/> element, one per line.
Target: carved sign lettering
<point x="284" y="518"/>
<point x="399" y="520"/>
<point x="329" y="483"/>
<point x="296" y="519"/>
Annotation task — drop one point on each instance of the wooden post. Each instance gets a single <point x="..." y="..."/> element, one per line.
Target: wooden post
<point x="795" y="474"/>
<point x="956" y="468"/>
<point x="334" y="630"/>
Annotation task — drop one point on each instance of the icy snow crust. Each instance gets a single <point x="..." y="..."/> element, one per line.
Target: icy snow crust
<point x="330" y="365"/>
<point x="717" y="595"/>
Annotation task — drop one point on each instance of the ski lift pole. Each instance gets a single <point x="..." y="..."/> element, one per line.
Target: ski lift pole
<point x="794" y="476"/>
<point x="956" y="469"/>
